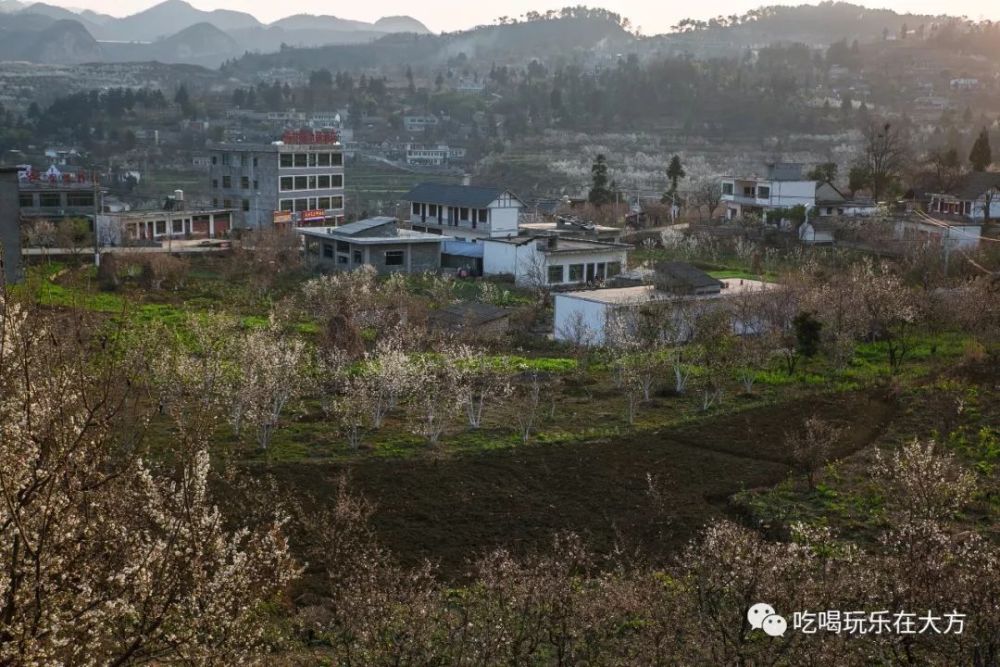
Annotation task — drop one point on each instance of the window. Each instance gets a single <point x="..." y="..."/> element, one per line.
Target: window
<point x="226" y="157"/>
<point x="432" y="210"/>
<point x="312" y="182"/>
<point x="301" y="182"/>
<point x="614" y="269"/>
<point x="227" y="203"/>
<point x="323" y="160"/>
<point x="358" y="257"/>
<point x="215" y="183"/>
<point x="160" y="227"/>
<point x="323" y="203"/>
<point x="301" y="204"/>
<point x="576" y="273"/>
<point x="463" y="214"/>
<point x="328" y="250"/>
<point x="416" y="208"/>
<point x="312" y="159"/>
<point x="336" y="181"/>
<point x="555" y="274"/>
<point x="27" y="201"/>
<point x="727" y="188"/>
<point x="246" y="204"/>
<point x="255" y="186"/>
<point x="601" y="268"/>
<point x="49" y="199"/>
<point x="343" y="246"/>
<point x="336" y="202"/>
<point x="287" y="183"/>
<point x="336" y="159"/>
<point x="763" y="192"/>
<point x="178" y="227"/>
<point x="483" y="214"/>
<point x="301" y="160"/>
<point x="323" y="182"/>
<point x="312" y="203"/>
<point x="394" y="257"/>
<point x="342" y="259"/>
<point x="245" y="182"/>
<point x="80" y="199"/>
<point x="255" y="164"/>
<point x="227" y="181"/>
<point x="286" y="205"/>
<point x="286" y="160"/>
<point x="215" y="202"/>
<point x="215" y="159"/>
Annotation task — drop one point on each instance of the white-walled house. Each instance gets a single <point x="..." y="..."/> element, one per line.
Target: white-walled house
<point x="784" y="188"/>
<point x="465" y="212"/>
<point x="582" y="317"/>
<point x="553" y="260"/>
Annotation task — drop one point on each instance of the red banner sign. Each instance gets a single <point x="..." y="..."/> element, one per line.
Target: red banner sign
<point x="310" y="216"/>
<point x="307" y="136"/>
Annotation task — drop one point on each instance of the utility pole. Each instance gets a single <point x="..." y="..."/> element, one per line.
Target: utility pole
<point x="97" y="213"/>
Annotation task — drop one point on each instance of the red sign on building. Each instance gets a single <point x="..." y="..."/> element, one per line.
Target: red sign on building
<point x="307" y="136"/>
<point x="312" y="216"/>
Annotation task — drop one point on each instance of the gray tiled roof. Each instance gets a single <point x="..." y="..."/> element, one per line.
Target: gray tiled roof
<point x="690" y="275"/>
<point x="352" y="228"/>
<point x="454" y="195"/>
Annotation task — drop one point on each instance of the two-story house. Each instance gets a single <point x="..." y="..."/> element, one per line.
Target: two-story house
<point x="784" y="188"/>
<point x="467" y="213"/>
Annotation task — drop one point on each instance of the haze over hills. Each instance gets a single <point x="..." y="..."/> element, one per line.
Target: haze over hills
<point x="174" y="31"/>
<point x="171" y="31"/>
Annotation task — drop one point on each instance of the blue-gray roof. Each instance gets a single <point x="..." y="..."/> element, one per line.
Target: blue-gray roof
<point x="454" y="195"/>
<point x="352" y="228"/>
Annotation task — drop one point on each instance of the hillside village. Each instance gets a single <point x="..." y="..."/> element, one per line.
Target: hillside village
<point x="508" y="346"/>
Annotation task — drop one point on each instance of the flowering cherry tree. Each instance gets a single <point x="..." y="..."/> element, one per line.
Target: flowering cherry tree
<point x="107" y="557"/>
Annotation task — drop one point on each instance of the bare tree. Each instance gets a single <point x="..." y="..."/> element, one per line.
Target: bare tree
<point x="884" y="157"/>
<point x="811" y="446"/>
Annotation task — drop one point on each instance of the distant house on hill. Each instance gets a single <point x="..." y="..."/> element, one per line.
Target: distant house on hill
<point x="785" y="188"/>
<point x="976" y="197"/>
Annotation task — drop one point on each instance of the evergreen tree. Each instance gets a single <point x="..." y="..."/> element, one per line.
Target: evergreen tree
<point x="675" y="172"/>
<point x="981" y="156"/>
<point x="600" y="192"/>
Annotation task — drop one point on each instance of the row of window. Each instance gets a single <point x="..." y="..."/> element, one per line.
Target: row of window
<point x="235" y="159"/>
<point x="311" y="203"/>
<point x="54" y="199"/>
<point x="227" y="182"/>
<point x="761" y="191"/>
<point x="577" y="273"/>
<point x="454" y="214"/>
<point x="345" y="256"/>
<point x="290" y="160"/>
<point x="317" y="182"/>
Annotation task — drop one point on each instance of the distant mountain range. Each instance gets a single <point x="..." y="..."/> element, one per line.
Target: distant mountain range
<point x="173" y="32"/>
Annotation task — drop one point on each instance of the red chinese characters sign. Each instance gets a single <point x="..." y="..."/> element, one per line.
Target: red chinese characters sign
<point x="306" y="136"/>
<point x="311" y="216"/>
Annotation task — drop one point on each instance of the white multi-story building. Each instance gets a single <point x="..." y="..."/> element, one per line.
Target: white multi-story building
<point x="434" y="156"/>
<point x="464" y="212"/>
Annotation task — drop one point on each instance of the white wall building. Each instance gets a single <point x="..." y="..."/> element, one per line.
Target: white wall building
<point x="552" y="260"/>
<point x="783" y="188"/>
<point x="582" y="317"/>
<point x="464" y="212"/>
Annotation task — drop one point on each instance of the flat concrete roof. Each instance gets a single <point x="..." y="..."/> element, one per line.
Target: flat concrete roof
<point x="649" y="293"/>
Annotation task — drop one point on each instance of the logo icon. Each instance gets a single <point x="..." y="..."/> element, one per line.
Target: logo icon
<point x="762" y="616"/>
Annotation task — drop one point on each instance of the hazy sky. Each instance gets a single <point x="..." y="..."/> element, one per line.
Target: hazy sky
<point x="654" y="16"/>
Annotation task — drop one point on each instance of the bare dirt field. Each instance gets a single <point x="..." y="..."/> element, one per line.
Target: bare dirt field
<point x="648" y="492"/>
